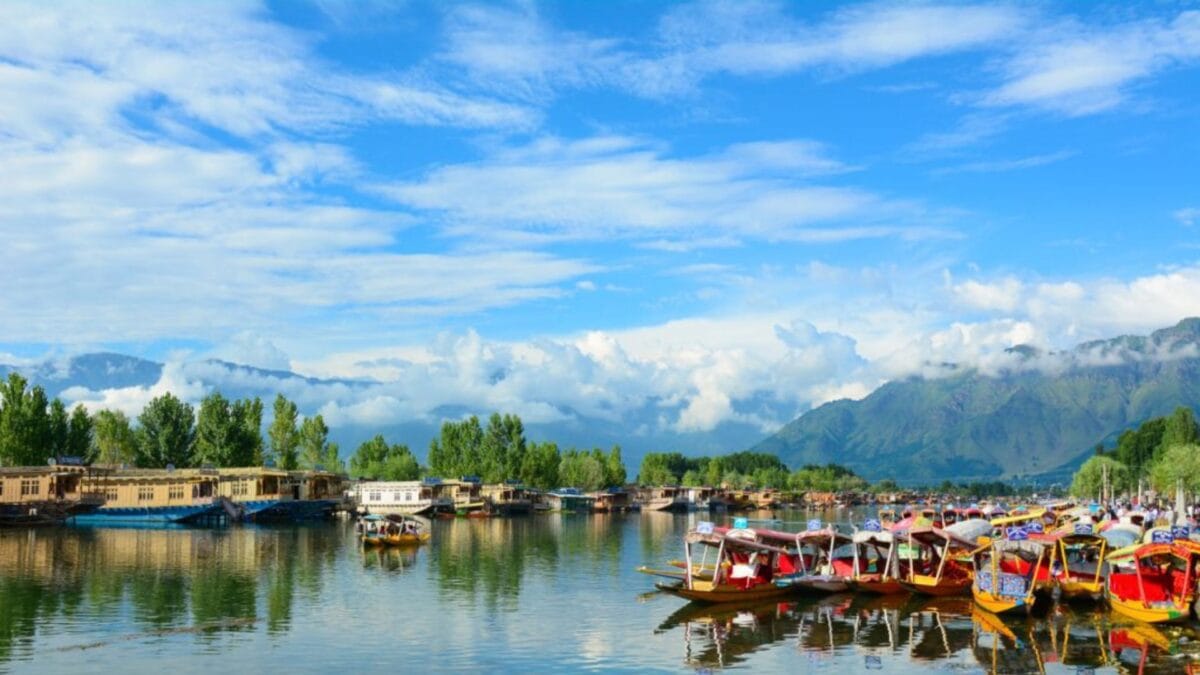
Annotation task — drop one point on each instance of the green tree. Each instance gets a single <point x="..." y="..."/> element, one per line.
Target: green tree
<point x="1177" y="463"/>
<point x="692" y="479"/>
<point x="1089" y="479"/>
<point x="59" y="428"/>
<point x="581" y="469"/>
<point x="376" y="459"/>
<point x="285" y="437"/>
<point x="166" y="433"/>
<point x="540" y="468"/>
<point x="248" y="413"/>
<point x="216" y="432"/>
<point x="1136" y="448"/>
<point x="614" y="468"/>
<point x="79" y="433"/>
<point x="458" y="450"/>
<point x="1179" y="428"/>
<point x="25" y="434"/>
<point x="114" y="441"/>
<point x="314" y="443"/>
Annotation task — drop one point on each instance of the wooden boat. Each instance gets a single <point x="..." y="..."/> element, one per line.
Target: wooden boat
<point x="410" y="497"/>
<point x="932" y="557"/>
<point x="877" y="567"/>
<point x="667" y="498"/>
<point x="1011" y="574"/>
<point x="743" y="568"/>
<point x="1079" y="566"/>
<point x="1154" y="582"/>
<point x="827" y="560"/>
<point x="393" y="530"/>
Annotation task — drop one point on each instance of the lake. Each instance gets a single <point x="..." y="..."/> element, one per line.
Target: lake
<point x="538" y="593"/>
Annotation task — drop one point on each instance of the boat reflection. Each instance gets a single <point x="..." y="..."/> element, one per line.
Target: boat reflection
<point x="899" y="633"/>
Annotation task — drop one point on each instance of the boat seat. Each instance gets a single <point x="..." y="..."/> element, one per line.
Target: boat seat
<point x="1125" y="585"/>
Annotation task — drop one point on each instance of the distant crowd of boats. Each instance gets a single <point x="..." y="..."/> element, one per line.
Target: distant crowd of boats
<point x="1007" y="560"/>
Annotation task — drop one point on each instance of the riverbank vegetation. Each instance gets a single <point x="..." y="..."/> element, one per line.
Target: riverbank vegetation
<point x="1158" y="453"/>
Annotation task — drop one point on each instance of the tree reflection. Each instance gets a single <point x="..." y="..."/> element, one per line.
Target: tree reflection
<point x="209" y="581"/>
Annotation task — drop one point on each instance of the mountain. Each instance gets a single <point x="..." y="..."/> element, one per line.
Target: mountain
<point x="1040" y="415"/>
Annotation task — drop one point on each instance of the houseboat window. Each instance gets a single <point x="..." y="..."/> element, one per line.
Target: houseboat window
<point x="145" y="494"/>
<point x="1" y="488"/>
<point x="376" y="496"/>
<point x="175" y="492"/>
<point x="408" y="496"/>
<point x="30" y="487"/>
<point x="240" y="488"/>
<point x="110" y="495"/>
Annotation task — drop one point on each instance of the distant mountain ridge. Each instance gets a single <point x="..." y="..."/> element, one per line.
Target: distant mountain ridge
<point x="1041" y="415"/>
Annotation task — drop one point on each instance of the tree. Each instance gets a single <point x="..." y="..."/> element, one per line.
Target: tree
<point x="376" y="459"/>
<point x="285" y="437"/>
<point x="114" y="441"/>
<point x="1177" y="463"/>
<point x="614" y="468"/>
<point x="79" y="433"/>
<point x="216" y="432"/>
<point x="1089" y="479"/>
<point x="248" y="413"/>
<point x="540" y="468"/>
<point x="167" y="433"/>
<point x="581" y="469"/>
<point x="25" y="434"/>
<point x="692" y="479"/>
<point x="59" y="428"/>
<point x="314" y="445"/>
<point x="502" y="448"/>
<point x="1136" y="448"/>
<point x="1179" y="428"/>
<point x="458" y="450"/>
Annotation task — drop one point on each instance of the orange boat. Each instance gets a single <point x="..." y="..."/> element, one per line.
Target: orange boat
<point x="742" y="568"/>
<point x="1154" y="582"/>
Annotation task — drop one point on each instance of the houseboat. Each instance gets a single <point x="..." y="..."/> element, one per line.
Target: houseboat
<point x="611" y="500"/>
<point x="409" y="497"/>
<point x="316" y="493"/>
<point x="465" y="495"/>
<point x="672" y="499"/>
<point x="570" y="500"/>
<point x="157" y="496"/>
<point x="508" y="499"/>
<point x="43" y="495"/>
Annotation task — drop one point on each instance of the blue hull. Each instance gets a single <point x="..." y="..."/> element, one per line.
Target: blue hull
<point x="157" y="514"/>
<point x="253" y="508"/>
<point x="294" y="511"/>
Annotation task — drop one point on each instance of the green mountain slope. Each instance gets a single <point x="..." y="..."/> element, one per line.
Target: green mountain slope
<point x="1042" y="415"/>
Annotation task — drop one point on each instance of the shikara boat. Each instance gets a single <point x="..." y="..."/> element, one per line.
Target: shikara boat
<point x="1079" y="565"/>
<point x="933" y="558"/>
<point x="1011" y="574"/>
<point x="877" y="565"/>
<point x="743" y="569"/>
<point x="828" y="560"/>
<point x="393" y="530"/>
<point x="1154" y="582"/>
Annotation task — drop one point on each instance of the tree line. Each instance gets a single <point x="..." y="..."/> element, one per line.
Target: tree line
<point x="168" y="432"/>
<point x="1159" y="452"/>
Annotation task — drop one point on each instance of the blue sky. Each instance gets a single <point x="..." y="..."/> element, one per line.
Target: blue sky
<point x="705" y="203"/>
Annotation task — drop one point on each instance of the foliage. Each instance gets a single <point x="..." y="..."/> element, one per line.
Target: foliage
<point x="827" y="478"/>
<point x="114" y="441"/>
<point x="1089" y="479"/>
<point x="285" y="437"/>
<point x="1177" y="463"/>
<point x="583" y="469"/>
<point x="25" y="433"/>
<point x="228" y="433"/>
<point x="315" y="448"/>
<point x="79" y="433"/>
<point x="167" y="433"/>
<point x="1136" y="447"/>
<point x="540" y="466"/>
<point x="376" y="459"/>
<point x="1179" y="428"/>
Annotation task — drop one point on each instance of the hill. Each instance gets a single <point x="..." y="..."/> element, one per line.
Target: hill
<point x="1040" y="415"/>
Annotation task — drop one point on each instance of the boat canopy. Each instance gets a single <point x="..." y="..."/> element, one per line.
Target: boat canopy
<point x="883" y="538"/>
<point x="970" y="530"/>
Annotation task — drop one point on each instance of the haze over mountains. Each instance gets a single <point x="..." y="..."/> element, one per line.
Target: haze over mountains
<point x="1027" y="413"/>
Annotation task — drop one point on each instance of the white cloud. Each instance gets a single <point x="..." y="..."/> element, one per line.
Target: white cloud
<point x="1078" y="70"/>
<point x="1187" y="216"/>
<point x="617" y="186"/>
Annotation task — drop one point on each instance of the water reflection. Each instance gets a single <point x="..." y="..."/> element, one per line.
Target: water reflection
<point x="201" y="581"/>
<point x="900" y="633"/>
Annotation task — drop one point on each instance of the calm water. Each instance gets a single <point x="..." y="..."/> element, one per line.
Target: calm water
<point x="545" y="593"/>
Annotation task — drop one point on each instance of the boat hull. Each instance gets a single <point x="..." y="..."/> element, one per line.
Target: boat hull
<point x="158" y="514"/>
<point x="879" y="587"/>
<point x="822" y="584"/>
<point x="923" y="585"/>
<point x="1136" y="609"/>
<point x="727" y="594"/>
<point x="395" y="539"/>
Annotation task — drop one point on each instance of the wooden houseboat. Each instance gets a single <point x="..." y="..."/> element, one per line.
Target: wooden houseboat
<point x="570" y="500"/>
<point x="409" y="497"/>
<point x="667" y="498"/>
<point x="37" y="495"/>
<point x="507" y="499"/>
<point x="611" y="500"/>
<point x="465" y="495"/>
<point x="156" y="496"/>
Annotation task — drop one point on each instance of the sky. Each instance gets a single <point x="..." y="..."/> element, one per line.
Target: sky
<point x="595" y="207"/>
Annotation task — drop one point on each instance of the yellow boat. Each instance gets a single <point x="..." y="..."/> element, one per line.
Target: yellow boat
<point x="395" y="530"/>
<point x="1079" y="563"/>
<point x="744" y="569"/>
<point x="1012" y="574"/>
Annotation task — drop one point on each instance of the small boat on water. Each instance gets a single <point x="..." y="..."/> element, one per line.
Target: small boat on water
<point x="877" y="568"/>
<point x="742" y="567"/>
<point x="1154" y="582"/>
<point x="1079" y="566"/>
<point x="827" y="560"/>
<point x="934" y="561"/>
<point x="1012" y="574"/>
<point x="392" y="530"/>
<point x="667" y="498"/>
